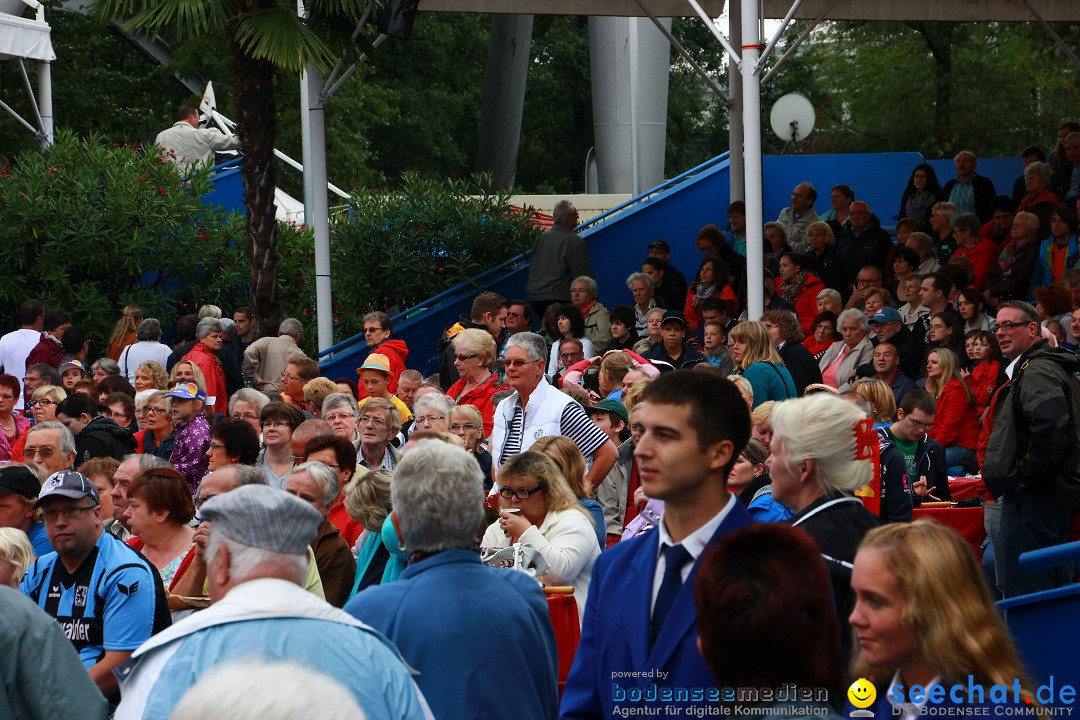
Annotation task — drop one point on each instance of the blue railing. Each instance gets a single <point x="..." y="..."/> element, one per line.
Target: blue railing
<point x="584" y="229"/>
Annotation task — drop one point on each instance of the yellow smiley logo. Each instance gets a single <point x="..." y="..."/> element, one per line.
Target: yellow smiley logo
<point x="862" y="693"/>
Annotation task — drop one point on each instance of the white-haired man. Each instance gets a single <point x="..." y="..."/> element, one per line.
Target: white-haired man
<point x="256" y="559"/>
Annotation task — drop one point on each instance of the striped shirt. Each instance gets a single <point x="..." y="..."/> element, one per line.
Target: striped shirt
<point x="574" y="424"/>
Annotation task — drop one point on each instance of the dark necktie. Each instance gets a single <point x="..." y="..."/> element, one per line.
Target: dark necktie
<point x="675" y="557"/>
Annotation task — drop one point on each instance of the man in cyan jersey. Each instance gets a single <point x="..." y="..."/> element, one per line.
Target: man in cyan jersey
<point x="107" y="597"/>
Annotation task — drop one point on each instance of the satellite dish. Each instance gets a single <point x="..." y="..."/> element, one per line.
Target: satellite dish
<point x="792" y="118"/>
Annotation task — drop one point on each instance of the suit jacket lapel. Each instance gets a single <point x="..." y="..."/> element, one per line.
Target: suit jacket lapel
<point x="638" y="591"/>
<point x="682" y="618"/>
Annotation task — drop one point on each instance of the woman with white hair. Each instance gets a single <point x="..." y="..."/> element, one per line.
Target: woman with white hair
<point x="839" y="362"/>
<point x="431" y="412"/>
<point x="209" y="335"/>
<point x="474" y="358"/>
<point x="821" y="453"/>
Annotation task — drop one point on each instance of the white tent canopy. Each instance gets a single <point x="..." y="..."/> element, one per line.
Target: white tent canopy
<point x="29" y="39"/>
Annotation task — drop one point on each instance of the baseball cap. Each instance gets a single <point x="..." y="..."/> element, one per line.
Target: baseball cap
<point x="69" y="484"/>
<point x="18" y="480"/>
<point x="376" y="361"/>
<point x="187" y="391"/>
<point x="886" y="315"/>
<point x="660" y="245"/>
<point x="673" y="316"/>
<point x="263" y="517"/>
<point x="609" y="405"/>
<point x="70" y="363"/>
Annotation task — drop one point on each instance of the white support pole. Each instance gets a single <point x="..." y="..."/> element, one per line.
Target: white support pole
<point x="316" y="206"/>
<point x="635" y="120"/>
<point x="45" y="106"/>
<point x="735" y="111"/>
<point x="755" y="265"/>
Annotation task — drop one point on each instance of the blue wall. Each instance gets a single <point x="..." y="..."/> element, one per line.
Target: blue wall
<point x="617" y="245"/>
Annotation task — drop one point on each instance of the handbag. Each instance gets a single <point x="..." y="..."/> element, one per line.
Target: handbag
<point x="519" y="556"/>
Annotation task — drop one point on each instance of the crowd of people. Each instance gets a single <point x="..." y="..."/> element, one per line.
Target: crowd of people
<point x="691" y="477"/>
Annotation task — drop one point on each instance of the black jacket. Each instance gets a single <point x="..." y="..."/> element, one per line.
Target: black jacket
<point x="689" y="358"/>
<point x="984" y="195"/>
<point x="102" y="437"/>
<point x="870" y="247"/>
<point x="801" y="364"/>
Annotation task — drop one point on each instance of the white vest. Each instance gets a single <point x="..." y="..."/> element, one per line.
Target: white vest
<point x="543" y="416"/>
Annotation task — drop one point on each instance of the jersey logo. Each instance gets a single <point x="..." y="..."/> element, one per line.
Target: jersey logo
<point x="128" y="589"/>
<point x="54" y="591"/>
<point x="80" y="596"/>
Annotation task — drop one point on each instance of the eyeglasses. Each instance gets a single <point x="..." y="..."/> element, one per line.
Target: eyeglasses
<point x="1008" y="326"/>
<point x="45" y="452"/>
<point x="376" y="421"/>
<point x="274" y="423"/>
<point x="578" y="291"/>
<point x="374" y="329"/>
<point x="32" y="379"/>
<point x="921" y="426"/>
<point x="245" y="416"/>
<point x="35" y="403"/>
<point x="343" y="417"/>
<point x="286" y="376"/>
<point x="151" y="410"/>
<point x="463" y="358"/>
<point x="571" y="355"/>
<point x="69" y="513"/>
<point x="430" y="418"/>
<point x="514" y="315"/>
<point x="200" y="499"/>
<point x="519" y="494"/>
<point x="216" y="446"/>
<point x="459" y="427"/>
<point x="520" y="363"/>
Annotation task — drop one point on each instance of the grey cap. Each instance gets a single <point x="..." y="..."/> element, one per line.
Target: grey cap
<point x="69" y="484"/>
<point x="263" y="517"/>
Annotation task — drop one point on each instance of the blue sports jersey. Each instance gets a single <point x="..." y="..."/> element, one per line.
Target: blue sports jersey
<point x="110" y="602"/>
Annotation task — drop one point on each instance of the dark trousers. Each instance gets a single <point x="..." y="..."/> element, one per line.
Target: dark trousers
<point x="540" y="306"/>
<point x="1030" y="520"/>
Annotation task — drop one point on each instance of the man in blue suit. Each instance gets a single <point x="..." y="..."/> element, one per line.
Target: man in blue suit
<point x="639" y="636"/>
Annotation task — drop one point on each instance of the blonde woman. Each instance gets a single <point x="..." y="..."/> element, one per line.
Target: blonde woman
<point x="474" y="360"/>
<point x="151" y="375"/>
<point x="540" y="509"/>
<point x="821" y="452"/>
<point x="956" y="423"/>
<point x="757" y="360"/>
<point x="16" y="555"/>
<point x="187" y="371"/>
<point x="367" y="500"/>
<point x="879" y="395"/>
<point x="760" y="429"/>
<point x="571" y="463"/>
<point x="123" y="333"/>
<point x="923" y="616"/>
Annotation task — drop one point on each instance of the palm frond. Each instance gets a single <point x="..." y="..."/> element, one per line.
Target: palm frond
<point x="281" y="38"/>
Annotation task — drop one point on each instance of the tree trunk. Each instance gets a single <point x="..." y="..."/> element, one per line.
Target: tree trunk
<point x="257" y="128"/>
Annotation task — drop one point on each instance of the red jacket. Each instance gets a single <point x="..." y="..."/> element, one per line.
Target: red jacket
<point x="956" y="422"/>
<point x="480" y="398"/>
<point x="213" y="374"/>
<point x="806" y="303"/>
<point x="982" y="256"/>
<point x="397" y="352"/>
<point x="693" y="317"/>
<point x="981" y="381"/>
<point x="47" y="351"/>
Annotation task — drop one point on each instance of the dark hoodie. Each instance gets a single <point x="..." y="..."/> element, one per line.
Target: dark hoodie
<point x="102" y="437"/>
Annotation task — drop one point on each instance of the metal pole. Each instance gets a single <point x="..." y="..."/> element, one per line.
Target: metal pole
<point x="735" y="114"/>
<point x="712" y="28"/>
<point x="316" y="207"/>
<point x="755" y="263"/>
<point x="634" y="58"/>
<point x="45" y="102"/>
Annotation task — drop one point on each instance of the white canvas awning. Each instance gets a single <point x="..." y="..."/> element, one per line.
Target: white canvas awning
<point x="21" y="38"/>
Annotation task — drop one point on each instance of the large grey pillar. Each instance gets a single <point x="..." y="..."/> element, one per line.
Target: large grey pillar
<point x="504" y="96"/>
<point x="629" y="59"/>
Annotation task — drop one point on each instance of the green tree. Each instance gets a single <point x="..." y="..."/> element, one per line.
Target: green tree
<point x="262" y="37"/>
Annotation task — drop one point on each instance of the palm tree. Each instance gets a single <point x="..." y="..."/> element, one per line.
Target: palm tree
<point x="263" y="36"/>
